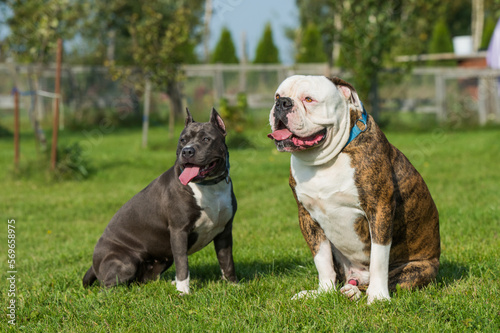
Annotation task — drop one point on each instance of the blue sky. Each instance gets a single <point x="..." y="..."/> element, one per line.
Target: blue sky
<point x="250" y="17"/>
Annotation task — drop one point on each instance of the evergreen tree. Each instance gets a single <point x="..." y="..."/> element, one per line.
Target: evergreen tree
<point x="267" y="52"/>
<point x="225" y="52"/>
<point x="489" y="28"/>
<point x="441" y="42"/>
<point x="441" y="39"/>
<point x="311" y="48"/>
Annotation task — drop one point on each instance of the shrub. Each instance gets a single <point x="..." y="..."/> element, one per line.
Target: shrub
<point x="234" y="115"/>
<point x="5" y="133"/>
<point x="71" y="163"/>
<point x="235" y="118"/>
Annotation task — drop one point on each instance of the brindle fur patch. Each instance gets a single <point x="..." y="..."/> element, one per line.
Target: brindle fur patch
<point x="311" y="230"/>
<point x="363" y="231"/>
<point x="398" y="205"/>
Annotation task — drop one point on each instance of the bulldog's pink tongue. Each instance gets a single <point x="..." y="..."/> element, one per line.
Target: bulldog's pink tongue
<point x="189" y="172"/>
<point x="281" y="134"/>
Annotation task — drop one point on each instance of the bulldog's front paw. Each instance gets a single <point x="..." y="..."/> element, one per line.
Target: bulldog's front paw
<point x="377" y="294"/>
<point x="306" y="294"/>
<point x="351" y="292"/>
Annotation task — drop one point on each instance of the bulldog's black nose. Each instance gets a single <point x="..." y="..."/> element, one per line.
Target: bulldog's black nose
<point x="187" y="152"/>
<point x="284" y="103"/>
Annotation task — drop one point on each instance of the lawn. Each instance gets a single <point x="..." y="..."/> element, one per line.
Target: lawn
<point x="59" y="222"/>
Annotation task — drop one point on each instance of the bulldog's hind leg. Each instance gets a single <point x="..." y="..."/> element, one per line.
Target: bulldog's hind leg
<point x="414" y="274"/>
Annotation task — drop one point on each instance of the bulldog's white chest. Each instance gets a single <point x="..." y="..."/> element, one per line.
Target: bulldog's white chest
<point x="328" y="192"/>
<point x="216" y="206"/>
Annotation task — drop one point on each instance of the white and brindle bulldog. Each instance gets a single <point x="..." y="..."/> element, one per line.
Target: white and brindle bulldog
<point x="364" y="210"/>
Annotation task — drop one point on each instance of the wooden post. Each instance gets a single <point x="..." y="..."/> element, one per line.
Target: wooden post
<point x="219" y="82"/>
<point x="55" y="126"/>
<point x="206" y="30"/>
<point x="243" y="63"/>
<point x="440" y="97"/>
<point x="145" y="116"/>
<point x="495" y="92"/>
<point x="16" y="128"/>
<point x="482" y="101"/>
<point x="477" y="23"/>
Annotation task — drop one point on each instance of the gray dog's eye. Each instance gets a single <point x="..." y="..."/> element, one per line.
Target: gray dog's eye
<point x="206" y="139"/>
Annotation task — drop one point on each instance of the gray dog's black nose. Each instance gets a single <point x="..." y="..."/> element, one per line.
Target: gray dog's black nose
<point x="284" y="103"/>
<point x="187" y="152"/>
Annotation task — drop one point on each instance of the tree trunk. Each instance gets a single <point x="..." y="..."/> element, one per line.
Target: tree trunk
<point x="477" y="23"/>
<point x="337" y="22"/>
<point x="35" y="112"/>
<point x="175" y="94"/>
<point x="373" y="97"/>
<point x="206" y="30"/>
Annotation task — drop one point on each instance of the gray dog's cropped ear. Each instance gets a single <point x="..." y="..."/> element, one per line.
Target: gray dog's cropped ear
<point x="217" y="121"/>
<point x="189" y="117"/>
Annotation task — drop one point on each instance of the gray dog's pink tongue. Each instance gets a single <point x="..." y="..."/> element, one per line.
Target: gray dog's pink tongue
<point x="281" y="134"/>
<point x="189" y="172"/>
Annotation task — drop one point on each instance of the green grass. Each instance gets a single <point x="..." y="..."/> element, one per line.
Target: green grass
<point x="58" y="224"/>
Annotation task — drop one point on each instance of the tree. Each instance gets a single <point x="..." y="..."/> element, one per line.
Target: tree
<point x="489" y="28"/>
<point x="441" y="39"/>
<point x="441" y="42"/>
<point x="321" y="13"/>
<point x="370" y="33"/>
<point x="267" y="52"/>
<point x="35" y="27"/>
<point x="162" y="36"/>
<point x="225" y="52"/>
<point x="311" y="47"/>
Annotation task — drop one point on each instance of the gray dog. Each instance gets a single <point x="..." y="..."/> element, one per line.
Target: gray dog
<point x="179" y="213"/>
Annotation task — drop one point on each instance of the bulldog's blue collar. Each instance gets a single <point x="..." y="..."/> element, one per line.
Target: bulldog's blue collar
<point x="355" y="131"/>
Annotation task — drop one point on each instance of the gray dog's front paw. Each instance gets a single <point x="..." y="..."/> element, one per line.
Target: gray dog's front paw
<point x="182" y="286"/>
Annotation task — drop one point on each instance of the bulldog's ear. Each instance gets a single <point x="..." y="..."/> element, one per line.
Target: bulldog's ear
<point x="217" y="121"/>
<point x="345" y="88"/>
<point x="189" y="118"/>
<point x="345" y="91"/>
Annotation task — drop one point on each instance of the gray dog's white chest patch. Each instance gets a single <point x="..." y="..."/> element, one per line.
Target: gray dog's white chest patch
<point x="216" y="206"/>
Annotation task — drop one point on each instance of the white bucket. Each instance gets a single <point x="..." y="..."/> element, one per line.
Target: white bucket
<point x="462" y="45"/>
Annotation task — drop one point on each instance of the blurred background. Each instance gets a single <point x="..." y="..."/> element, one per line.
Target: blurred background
<point x="416" y="64"/>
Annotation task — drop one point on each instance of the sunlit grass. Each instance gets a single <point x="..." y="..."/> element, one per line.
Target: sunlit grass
<point x="58" y="224"/>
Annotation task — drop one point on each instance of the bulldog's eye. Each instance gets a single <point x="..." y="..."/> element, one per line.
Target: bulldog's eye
<point x="277" y="96"/>
<point x="308" y="99"/>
